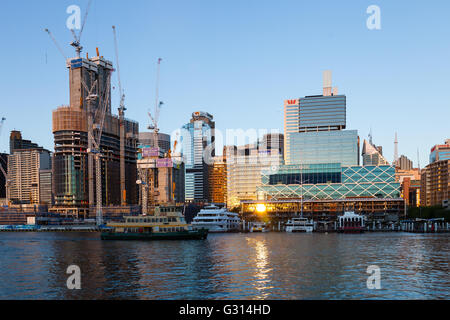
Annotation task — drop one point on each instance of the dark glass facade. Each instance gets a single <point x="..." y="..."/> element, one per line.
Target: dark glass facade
<point x="322" y="113"/>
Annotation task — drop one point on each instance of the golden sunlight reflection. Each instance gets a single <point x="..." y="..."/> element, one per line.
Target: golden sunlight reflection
<point x="262" y="271"/>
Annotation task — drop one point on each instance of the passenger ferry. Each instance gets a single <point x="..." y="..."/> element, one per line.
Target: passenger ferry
<point x="300" y="225"/>
<point x="259" y="227"/>
<point x="217" y="219"/>
<point x="167" y="223"/>
<point x="351" y="223"/>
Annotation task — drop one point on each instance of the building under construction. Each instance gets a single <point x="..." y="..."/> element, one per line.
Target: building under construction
<point x="90" y="105"/>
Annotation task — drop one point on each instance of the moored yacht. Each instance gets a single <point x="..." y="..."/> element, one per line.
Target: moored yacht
<point x="216" y="219"/>
<point x="300" y="225"/>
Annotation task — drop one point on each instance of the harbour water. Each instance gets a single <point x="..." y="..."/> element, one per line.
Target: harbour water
<point x="226" y="266"/>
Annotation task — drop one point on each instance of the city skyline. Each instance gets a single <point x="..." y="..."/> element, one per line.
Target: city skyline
<point x="226" y="72"/>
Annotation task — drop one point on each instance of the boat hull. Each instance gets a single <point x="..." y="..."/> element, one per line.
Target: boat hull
<point x="351" y="230"/>
<point x="182" y="235"/>
<point x="299" y="229"/>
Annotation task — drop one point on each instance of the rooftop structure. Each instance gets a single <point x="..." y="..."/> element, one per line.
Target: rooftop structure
<point x="326" y="112"/>
<point x="373" y="155"/>
<point x="440" y="152"/>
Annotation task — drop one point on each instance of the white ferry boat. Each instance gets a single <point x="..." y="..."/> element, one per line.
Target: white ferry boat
<point x="259" y="227"/>
<point x="300" y="225"/>
<point x="351" y="222"/>
<point x="216" y="219"/>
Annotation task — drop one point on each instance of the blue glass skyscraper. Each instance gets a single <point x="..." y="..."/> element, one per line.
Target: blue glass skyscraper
<point x="198" y="135"/>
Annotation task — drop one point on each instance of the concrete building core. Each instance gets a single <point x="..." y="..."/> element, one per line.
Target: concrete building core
<point x="70" y="129"/>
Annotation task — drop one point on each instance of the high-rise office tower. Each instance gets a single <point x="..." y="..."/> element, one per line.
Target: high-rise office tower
<point x="147" y="139"/>
<point x="404" y="163"/>
<point x="29" y="172"/>
<point x="218" y="180"/>
<point x="373" y="155"/>
<point x="440" y="152"/>
<point x="16" y="142"/>
<point x="272" y="141"/>
<point x="244" y="167"/>
<point x="326" y="112"/>
<point x="197" y="141"/>
<point x="325" y="147"/>
<point x="70" y="129"/>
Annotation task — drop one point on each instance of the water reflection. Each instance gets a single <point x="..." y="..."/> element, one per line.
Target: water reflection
<point x="228" y="266"/>
<point x="262" y="271"/>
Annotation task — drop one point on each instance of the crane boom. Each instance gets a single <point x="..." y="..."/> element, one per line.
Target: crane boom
<point x="2" y="121"/>
<point x="76" y="43"/>
<point x="96" y="137"/>
<point x="122" y="109"/>
<point x="56" y="44"/>
<point x="1" y="124"/>
<point x="91" y="98"/>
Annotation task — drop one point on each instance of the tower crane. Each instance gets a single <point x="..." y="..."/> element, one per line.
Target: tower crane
<point x="96" y="137"/>
<point x="1" y="124"/>
<point x="91" y="98"/>
<point x="158" y="104"/>
<point x="2" y="121"/>
<point x="56" y="44"/>
<point x="146" y="177"/>
<point x="77" y="38"/>
<point x="122" y="109"/>
<point x="76" y="43"/>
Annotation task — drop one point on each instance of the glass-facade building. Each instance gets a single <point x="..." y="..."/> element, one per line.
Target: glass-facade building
<point x="322" y="113"/>
<point x="325" y="147"/>
<point x="440" y="152"/>
<point x="330" y="181"/>
<point x="244" y="174"/>
<point x="197" y="135"/>
<point x="313" y="114"/>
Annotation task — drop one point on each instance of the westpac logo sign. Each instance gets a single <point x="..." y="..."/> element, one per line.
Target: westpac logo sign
<point x="291" y="102"/>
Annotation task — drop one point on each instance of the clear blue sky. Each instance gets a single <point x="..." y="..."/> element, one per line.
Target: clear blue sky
<point x="239" y="60"/>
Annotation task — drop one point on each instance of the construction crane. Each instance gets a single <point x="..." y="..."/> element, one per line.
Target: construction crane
<point x="76" y="43"/>
<point x="77" y="38"/>
<point x="122" y="109"/>
<point x="146" y="177"/>
<point x="1" y="124"/>
<point x="96" y="137"/>
<point x="56" y="44"/>
<point x="158" y="104"/>
<point x="90" y="98"/>
<point x="2" y="121"/>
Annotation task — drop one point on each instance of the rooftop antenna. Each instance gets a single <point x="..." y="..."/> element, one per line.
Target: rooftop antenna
<point x="418" y="159"/>
<point x="370" y="135"/>
<point x="395" y="150"/>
